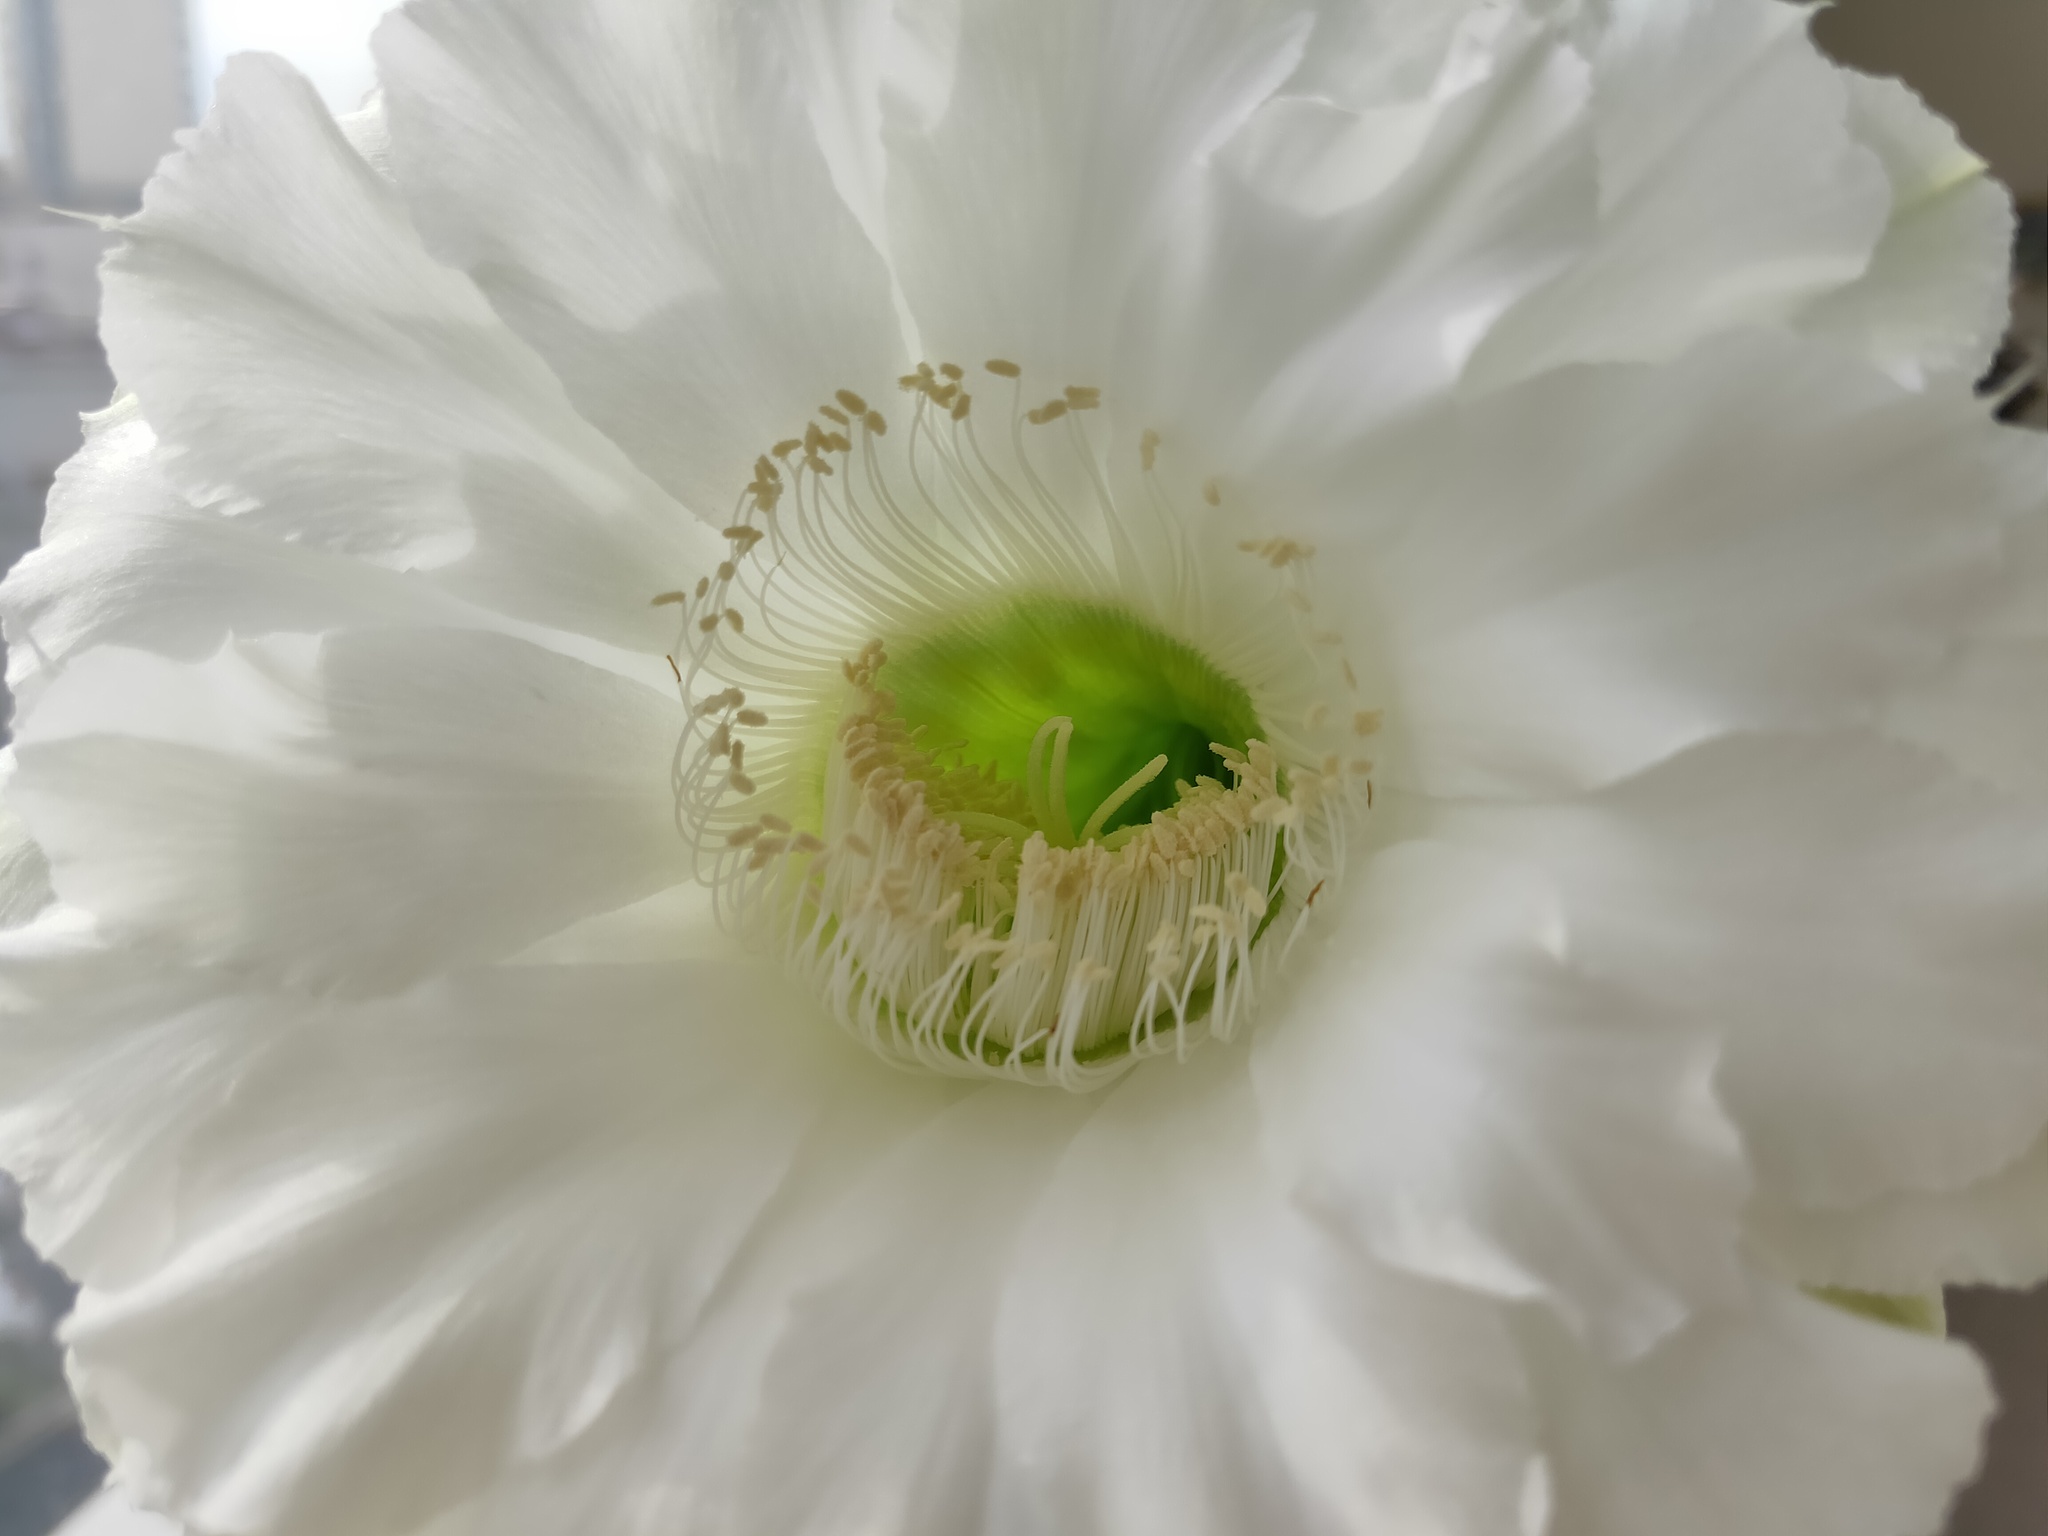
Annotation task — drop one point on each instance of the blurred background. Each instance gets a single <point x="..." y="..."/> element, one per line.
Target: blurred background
<point x="91" y="92"/>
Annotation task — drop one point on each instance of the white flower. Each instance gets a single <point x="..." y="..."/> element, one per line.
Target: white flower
<point x="481" y="1089"/>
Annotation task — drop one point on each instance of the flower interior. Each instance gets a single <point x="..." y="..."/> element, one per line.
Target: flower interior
<point x="1025" y="783"/>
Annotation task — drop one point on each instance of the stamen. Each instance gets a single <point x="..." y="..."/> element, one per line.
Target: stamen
<point x="947" y="914"/>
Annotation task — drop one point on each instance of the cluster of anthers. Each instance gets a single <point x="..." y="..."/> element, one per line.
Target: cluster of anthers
<point x="949" y="916"/>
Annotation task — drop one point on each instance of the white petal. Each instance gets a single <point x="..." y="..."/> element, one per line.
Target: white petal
<point x="126" y="560"/>
<point x="1993" y="1232"/>
<point x="1786" y="1418"/>
<point x="877" y="1400"/>
<point x="1863" y="927"/>
<point x="311" y="369"/>
<point x="1935" y="298"/>
<point x="1986" y="707"/>
<point x="400" y="802"/>
<point x="416" y="1250"/>
<point x="1476" y="1109"/>
<point x="109" y="1514"/>
<point x="1296" y="332"/>
<point x="1182" y="1354"/>
<point x="1069" y="138"/>
<point x="1732" y="192"/>
<point x="1578" y="577"/>
<point x="24" y="871"/>
<point x="640" y="190"/>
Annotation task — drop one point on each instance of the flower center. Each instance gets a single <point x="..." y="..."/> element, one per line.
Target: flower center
<point x="1099" y="719"/>
<point x="973" y="776"/>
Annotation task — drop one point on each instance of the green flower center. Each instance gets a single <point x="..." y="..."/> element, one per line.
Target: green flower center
<point x="988" y="685"/>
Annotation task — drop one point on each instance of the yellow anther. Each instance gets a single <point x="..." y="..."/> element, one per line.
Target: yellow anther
<point x="953" y="371"/>
<point x="1002" y="368"/>
<point x="703" y="585"/>
<point x="764" y="469"/>
<point x="741" y="782"/>
<point x="1148" y="448"/>
<point x="874" y="423"/>
<point x="1366" y="721"/>
<point x="857" y="845"/>
<point x="787" y="446"/>
<point x="813" y="436"/>
<point x="1212" y="491"/>
<point x="732" y="617"/>
<point x="833" y="413"/>
<point x="1083" y="399"/>
<point x="752" y="717"/>
<point x="669" y="599"/>
<point x="851" y="401"/>
<point x="742" y="837"/>
<point x="727" y="570"/>
<point x="708" y="623"/>
<point x="775" y="824"/>
<point x="962" y="406"/>
<point x="838" y="442"/>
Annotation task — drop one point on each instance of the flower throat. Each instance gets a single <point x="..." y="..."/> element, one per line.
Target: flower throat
<point x="969" y="776"/>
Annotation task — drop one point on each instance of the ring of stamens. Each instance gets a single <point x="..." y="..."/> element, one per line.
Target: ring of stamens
<point x="950" y="916"/>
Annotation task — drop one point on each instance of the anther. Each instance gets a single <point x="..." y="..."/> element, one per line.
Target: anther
<point x="1148" y="448"/>
<point x="1212" y="491"/>
<point x="1083" y="399"/>
<point x="1003" y="368"/>
<point x="1366" y="721"/>
<point x="832" y="412"/>
<point x="874" y="423"/>
<point x="669" y="599"/>
<point x="953" y="371"/>
<point x="752" y="717"/>
<point x="851" y="401"/>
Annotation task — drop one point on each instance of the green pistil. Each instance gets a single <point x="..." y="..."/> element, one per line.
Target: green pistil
<point x="991" y="683"/>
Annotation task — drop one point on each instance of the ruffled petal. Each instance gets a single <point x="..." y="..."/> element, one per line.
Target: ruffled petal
<point x="357" y="813"/>
<point x="1330" y="291"/>
<point x="1475" y="1108"/>
<point x="641" y="192"/>
<point x="109" y="1514"/>
<point x="24" y="871"/>
<point x="126" y="560"/>
<point x="1049" y="153"/>
<point x="1181" y="1353"/>
<point x="1860" y="923"/>
<point x="1572" y="580"/>
<point x="378" y="1281"/>
<point x="312" y="371"/>
<point x="1935" y="299"/>
<point x="1786" y="1418"/>
<point x="1988" y="1233"/>
<point x="1732" y="191"/>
